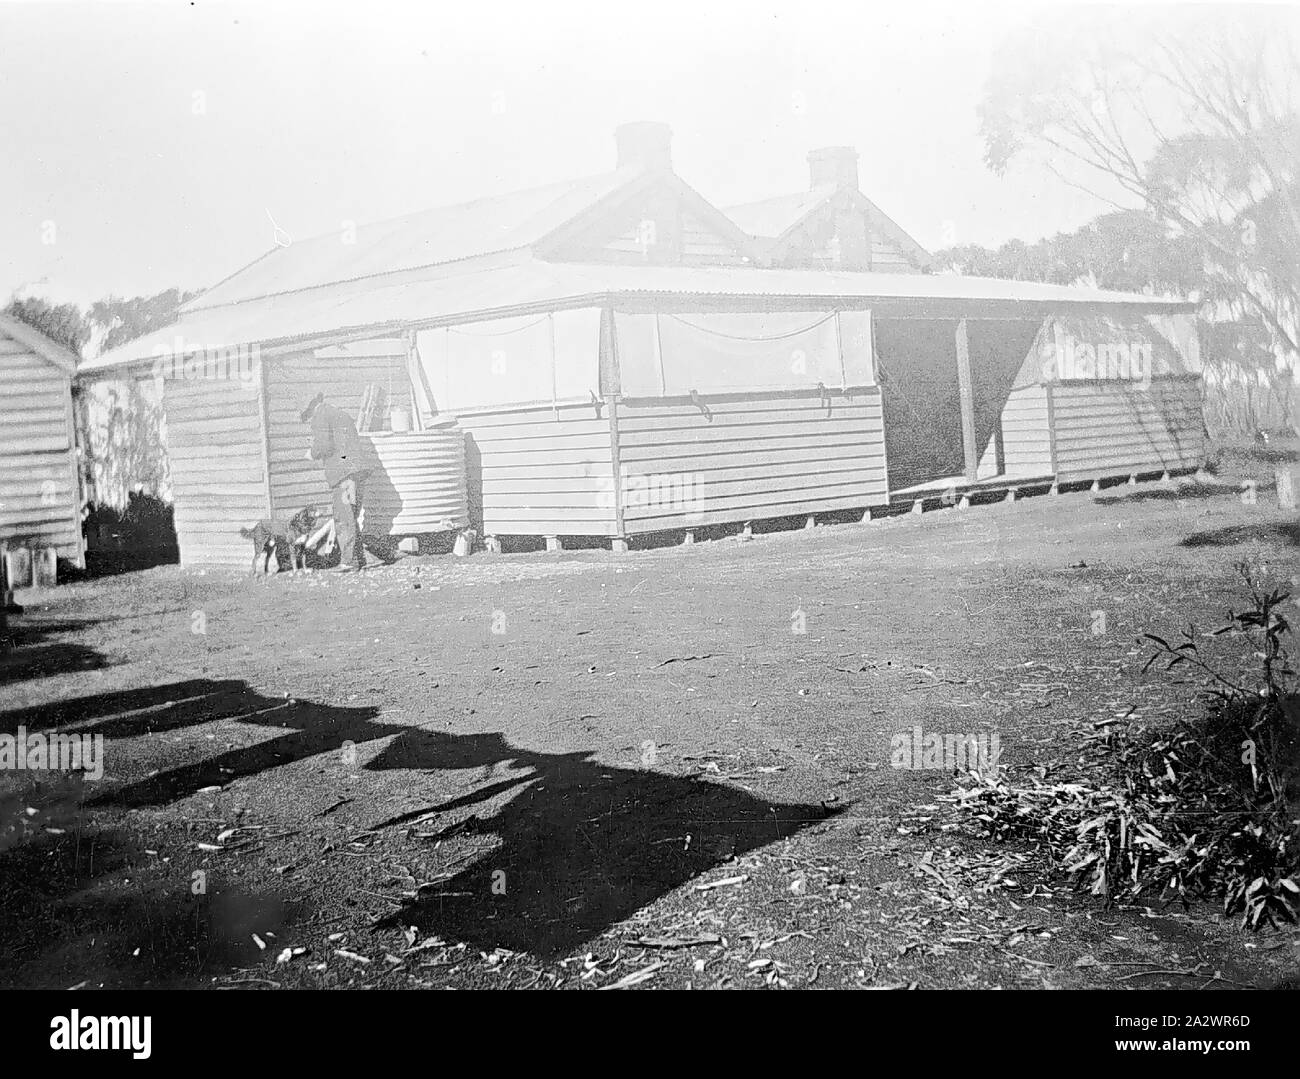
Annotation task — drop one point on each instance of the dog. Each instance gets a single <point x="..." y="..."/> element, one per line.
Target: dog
<point x="270" y="534"/>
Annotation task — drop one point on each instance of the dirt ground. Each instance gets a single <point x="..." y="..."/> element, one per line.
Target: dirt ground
<point x="581" y="769"/>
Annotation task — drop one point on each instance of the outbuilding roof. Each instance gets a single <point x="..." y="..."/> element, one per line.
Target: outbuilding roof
<point x="35" y="341"/>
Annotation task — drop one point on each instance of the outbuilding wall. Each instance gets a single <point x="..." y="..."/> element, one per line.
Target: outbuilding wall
<point x="40" y="500"/>
<point x="342" y="375"/>
<point x="238" y="448"/>
<point x="216" y="450"/>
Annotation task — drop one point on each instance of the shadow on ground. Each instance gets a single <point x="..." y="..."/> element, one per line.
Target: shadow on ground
<point x="1276" y="532"/>
<point x="86" y="902"/>
<point x="36" y="651"/>
<point x="95" y="907"/>
<point x="44" y="661"/>
<point x="574" y="847"/>
<point x="313" y="728"/>
<point x="580" y="846"/>
<point x="310" y="729"/>
<point x="1172" y="494"/>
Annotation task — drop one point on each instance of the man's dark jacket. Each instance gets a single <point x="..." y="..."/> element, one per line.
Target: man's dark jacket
<point x="334" y="441"/>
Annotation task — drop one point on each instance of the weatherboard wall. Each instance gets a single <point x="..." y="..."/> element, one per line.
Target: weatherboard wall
<point x="748" y="456"/>
<point x="40" y="501"/>
<point x="539" y="470"/>
<point x="1026" y="433"/>
<point x="216" y="450"/>
<point x="342" y="375"/>
<point x="1106" y="429"/>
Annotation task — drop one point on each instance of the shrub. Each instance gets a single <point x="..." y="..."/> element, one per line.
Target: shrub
<point x="1201" y="806"/>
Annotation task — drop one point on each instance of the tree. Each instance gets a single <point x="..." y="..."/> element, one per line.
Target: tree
<point x="1127" y="251"/>
<point x="117" y="321"/>
<point x="61" y="323"/>
<point x="123" y="420"/>
<point x="107" y="324"/>
<point x="1194" y="120"/>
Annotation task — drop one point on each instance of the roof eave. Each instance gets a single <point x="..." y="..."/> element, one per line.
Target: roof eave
<point x="40" y="344"/>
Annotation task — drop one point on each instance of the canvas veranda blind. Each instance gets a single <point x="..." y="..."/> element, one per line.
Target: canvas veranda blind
<point x="535" y="359"/>
<point x="674" y="354"/>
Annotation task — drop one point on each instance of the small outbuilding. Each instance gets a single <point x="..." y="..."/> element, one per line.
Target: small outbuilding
<point x="40" y="488"/>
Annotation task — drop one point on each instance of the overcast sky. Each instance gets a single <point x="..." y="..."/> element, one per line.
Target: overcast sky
<point x="149" y="145"/>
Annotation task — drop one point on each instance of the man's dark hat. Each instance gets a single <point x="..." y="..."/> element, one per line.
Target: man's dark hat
<point x="310" y="407"/>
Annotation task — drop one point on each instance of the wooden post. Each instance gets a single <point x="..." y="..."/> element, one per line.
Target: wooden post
<point x="78" y="488"/>
<point x="839" y="349"/>
<point x="611" y="401"/>
<point x="659" y="358"/>
<point x="265" y="409"/>
<point x="611" y="392"/>
<point x="966" y="386"/>
<point x="1051" y="429"/>
<point x="1284" y="485"/>
<point x="414" y="370"/>
<point x="4" y="602"/>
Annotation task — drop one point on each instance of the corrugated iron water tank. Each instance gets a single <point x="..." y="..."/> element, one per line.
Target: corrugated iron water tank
<point x="417" y="482"/>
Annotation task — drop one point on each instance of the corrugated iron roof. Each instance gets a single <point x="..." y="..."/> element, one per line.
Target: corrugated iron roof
<point x="336" y="309"/>
<point x="841" y="284"/>
<point x="428" y="238"/>
<point x="368" y="306"/>
<point x="772" y="220"/>
<point x="38" y="343"/>
<point x="774" y="217"/>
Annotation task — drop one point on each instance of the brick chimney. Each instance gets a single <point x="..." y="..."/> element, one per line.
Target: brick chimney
<point x="834" y="165"/>
<point x="644" y="144"/>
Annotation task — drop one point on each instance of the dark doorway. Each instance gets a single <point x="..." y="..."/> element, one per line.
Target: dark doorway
<point x="916" y="363"/>
<point x="917" y="366"/>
